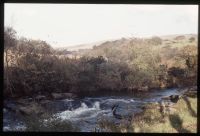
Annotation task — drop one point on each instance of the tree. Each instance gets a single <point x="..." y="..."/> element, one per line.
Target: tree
<point x="9" y="42"/>
<point x="189" y="56"/>
<point x="44" y="48"/>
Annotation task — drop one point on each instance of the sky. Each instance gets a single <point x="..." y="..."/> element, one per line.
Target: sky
<point x="64" y="25"/>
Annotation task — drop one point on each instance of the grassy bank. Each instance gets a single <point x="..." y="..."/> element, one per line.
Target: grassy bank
<point x="181" y="119"/>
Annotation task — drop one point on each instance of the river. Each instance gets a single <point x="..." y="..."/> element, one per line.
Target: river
<point x="86" y="111"/>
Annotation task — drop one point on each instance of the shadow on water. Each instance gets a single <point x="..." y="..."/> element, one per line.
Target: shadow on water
<point x="176" y="122"/>
<point x="192" y="112"/>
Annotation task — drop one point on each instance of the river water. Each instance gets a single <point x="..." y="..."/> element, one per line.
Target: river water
<point x="86" y="111"/>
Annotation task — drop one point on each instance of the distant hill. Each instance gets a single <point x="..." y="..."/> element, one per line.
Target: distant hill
<point x="171" y="37"/>
<point x="121" y="41"/>
<point x="82" y="46"/>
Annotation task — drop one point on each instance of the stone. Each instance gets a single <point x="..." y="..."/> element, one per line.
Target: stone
<point x="4" y="110"/>
<point x="58" y="96"/>
<point x="22" y="101"/>
<point x="69" y="95"/>
<point x="40" y="97"/>
<point x="25" y="110"/>
<point x="31" y="109"/>
<point x="45" y="101"/>
<point x="171" y="98"/>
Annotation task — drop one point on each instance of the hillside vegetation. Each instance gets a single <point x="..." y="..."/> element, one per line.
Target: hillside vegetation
<point x="33" y="67"/>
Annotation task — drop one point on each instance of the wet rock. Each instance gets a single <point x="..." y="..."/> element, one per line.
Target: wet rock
<point x="31" y="109"/>
<point x="43" y="102"/>
<point x="22" y="102"/>
<point x="126" y="112"/>
<point x="58" y="96"/>
<point x="40" y="97"/>
<point x="4" y="110"/>
<point x="171" y="98"/>
<point x="69" y="95"/>
<point x="25" y="110"/>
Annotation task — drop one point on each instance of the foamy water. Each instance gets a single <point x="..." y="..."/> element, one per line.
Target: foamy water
<point x="83" y="112"/>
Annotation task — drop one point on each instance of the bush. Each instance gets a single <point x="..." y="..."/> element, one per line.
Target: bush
<point x="192" y="39"/>
<point x="155" y="41"/>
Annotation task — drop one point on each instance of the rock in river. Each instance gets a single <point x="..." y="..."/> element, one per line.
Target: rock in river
<point x="33" y="108"/>
<point x="40" y="97"/>
<point x="58" y="96"/>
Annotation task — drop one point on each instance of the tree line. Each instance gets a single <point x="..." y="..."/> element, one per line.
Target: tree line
<point x="33" y="67"/>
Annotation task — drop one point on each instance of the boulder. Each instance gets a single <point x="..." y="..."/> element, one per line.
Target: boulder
<point x="122" y="111"/>
<point x="171" y="98"/>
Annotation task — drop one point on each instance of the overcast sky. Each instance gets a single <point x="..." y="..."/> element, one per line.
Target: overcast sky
<point x="71" y="24"/>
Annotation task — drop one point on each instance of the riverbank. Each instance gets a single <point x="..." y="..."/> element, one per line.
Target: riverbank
<point x="179" y="118"/>
<point x="86" y="112"/>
